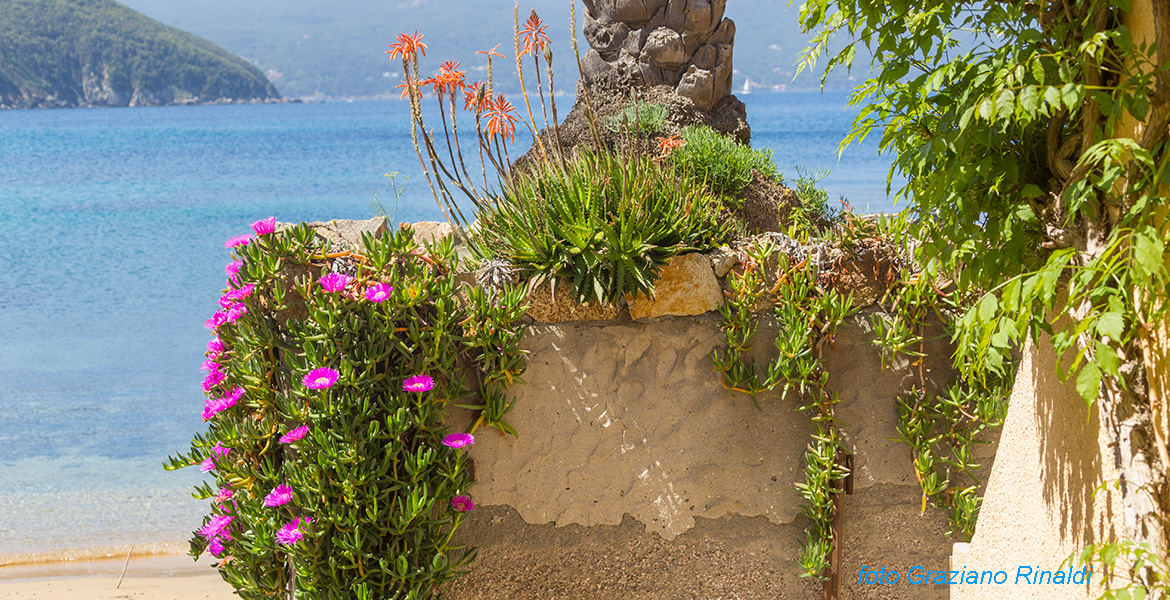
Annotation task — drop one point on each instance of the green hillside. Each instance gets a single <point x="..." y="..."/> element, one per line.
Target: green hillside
<point x="334" y="49"/>
<point x="57" y="53"/>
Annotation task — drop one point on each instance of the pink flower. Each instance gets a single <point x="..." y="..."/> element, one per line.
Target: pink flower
<point x="216" y="320"/>
<point x="264" y="226"/>
<point x="294" y="435"/>
<point x="215" y="346"/>
<point x="224" y="495"/>
<point x="216" y="526"/>
<point x="418" y="383"/>
<point x="281" y="494"/>
<point x="291" y="532"/>
<point x="237" y="294"/>
<point x="458" y="440"/>
<point x="215" y="547"/>
<point x="462" y="503"/>
<point x="208" y="464"/>
<point x="319" y="379"/>
<point x="214" y="406"/>
<point x="236" y="242"/>
<point x="209" y="365"/>
<point x="378" y="292"/>
<point x="234" y="312"/>
<point x="334" y="282"/>
<point x="233" y="268"/>
<point x="213" y="379"/>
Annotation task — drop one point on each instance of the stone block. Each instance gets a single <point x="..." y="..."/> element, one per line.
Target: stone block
<point x="698" y="85"/>
<point x="349" y="233"/>
<point x="664" y="47"/>
<point x="686" y="286"/>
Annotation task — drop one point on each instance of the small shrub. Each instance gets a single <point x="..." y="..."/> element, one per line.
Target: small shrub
<point x="329" y="378"/>
<point x="719" y="161"/>
<point x="814" y="209"/>
<point x="641" y="118"/>
<point x="606" y="222"/>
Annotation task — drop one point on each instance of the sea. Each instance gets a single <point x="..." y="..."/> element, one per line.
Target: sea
<point x="112" y="256"/>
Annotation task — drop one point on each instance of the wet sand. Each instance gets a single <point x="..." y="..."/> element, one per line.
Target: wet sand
<point x="160" y="577"/>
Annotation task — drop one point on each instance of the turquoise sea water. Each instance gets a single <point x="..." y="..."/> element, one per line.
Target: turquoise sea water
<point x="111" y="258"/>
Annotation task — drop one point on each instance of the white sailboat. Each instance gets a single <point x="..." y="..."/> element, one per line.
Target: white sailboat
<point x="747" y="85"/>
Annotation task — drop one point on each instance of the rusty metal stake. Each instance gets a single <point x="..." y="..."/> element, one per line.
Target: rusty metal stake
<point x="832" y="586"/>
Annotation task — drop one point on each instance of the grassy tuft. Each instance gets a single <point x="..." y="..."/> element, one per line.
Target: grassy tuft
<point x="719" y="161"/>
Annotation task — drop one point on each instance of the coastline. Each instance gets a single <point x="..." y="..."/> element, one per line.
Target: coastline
<point x="155" y="572"/>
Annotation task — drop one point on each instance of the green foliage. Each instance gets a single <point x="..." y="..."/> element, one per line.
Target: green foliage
<point x="1124" y="559"/>
<point x="805" y="316"/>
<point x="719" y="161"/>
<point x="640" y="118"/>
<point x="371" y="473"/>
<point x="813" y="211"/>
<point x="46" y="46"/>
<point x="605" y="222"/>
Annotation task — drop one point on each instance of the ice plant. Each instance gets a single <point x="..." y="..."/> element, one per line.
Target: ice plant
<point x="294" y="435"/>
<point x="418" y="383"/>
<point x="239" y="240"/>
<point x="216" y="526"/>
<point x="224" y="495"/>
<point x="334" y="282"/>
<point x="233" y="268"/>
<point x="291" y="532"/>
<point x="462" y="503"/>
<point x="215" y="547"/>
<point x="458" y="440"/>
<point x="233" y="313"/>
<point x="219" y="318"/>
<point x="213" y="379"/>
<point x="237" y="294"/>
<point x="264" y="226"/>
<point x="320" y="378"/>
<point x="214" y="406"/>
<point x="215" y="346"/>
<point x="279" y="496"/>
<point x="378" y="292"/>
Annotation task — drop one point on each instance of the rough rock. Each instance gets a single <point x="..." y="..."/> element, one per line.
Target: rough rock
<point x="722" y="260"/>
<point x="652" y="42"/>
<point x="349" y="233"/>
<point x="686" y="286"/>
<point x="544" y="307"/>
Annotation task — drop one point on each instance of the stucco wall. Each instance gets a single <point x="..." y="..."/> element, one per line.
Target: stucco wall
<point x="635" y="470"/>
<point x="1045" y="499"/>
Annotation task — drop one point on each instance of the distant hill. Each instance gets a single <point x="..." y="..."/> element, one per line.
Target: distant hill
<point x="334" y="49"/>
<point x="58" y="53"/>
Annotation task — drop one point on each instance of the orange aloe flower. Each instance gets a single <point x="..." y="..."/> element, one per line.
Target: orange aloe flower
<point x="407" y="46"/>
<point x="451" y="77"/>
<point x="406" y="85"/>
<point x="535" y="39"/>
<point x="491" y="52"/>
<point x="501" y="121"/>
<point x="475" y="97"/>
<point x="668" y="144"/>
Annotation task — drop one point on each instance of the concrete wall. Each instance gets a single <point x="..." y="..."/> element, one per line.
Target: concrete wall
<point x="636" y="475"/>
<point x="1048" y="495"/>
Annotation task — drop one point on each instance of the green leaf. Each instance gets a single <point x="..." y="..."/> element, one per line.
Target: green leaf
<point x="987" y="307"/>
<point x="1106" y="358"/>
<point x="1005" y="103"/>
<point x="1029" y="100"/>
<point x="1111" y="325"/>
<point x="1089" y="382"/>
<point x="1148" y="252"/>
<point x="986" y="109"/>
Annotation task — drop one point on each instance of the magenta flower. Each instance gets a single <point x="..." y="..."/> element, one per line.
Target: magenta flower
<point x="319" y="379"/>
<point x="236" y="242"/>
<point x="208" y="464"/>
<point x="291" y="532"/>
<point x="378" y="292"/>
<point x="233" y="268"/>
<point x="334" y="282"/>
<point x="215" y="547"/>
<point x="216" y="526"/>
<point x="462" y="503"/>
<point x="264" y="226"/>
<point x="236" y="294"/>
<point x="213" y="379"/>
<point x="234" y="312"/>
<point x="209" y="365"/>
<point x="214" y="406"/>
<point x="224" y="495"/>
<point x="280" y="495"/>
<point x="418" y="383"/>
<point x="215" y="346"/>
<point x="294" y="435"/>
<point x="458" y="440"/>
<point x="216" y="320"/>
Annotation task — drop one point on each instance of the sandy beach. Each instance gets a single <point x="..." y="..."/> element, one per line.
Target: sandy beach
<point x="164" y="577"/>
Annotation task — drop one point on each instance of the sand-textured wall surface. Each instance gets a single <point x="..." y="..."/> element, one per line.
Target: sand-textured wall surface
<point x="1043" y="502"/>
<point x="637" y="475"/>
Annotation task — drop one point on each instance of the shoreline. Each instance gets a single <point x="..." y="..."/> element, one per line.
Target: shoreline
<point x="94" y="553"/>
